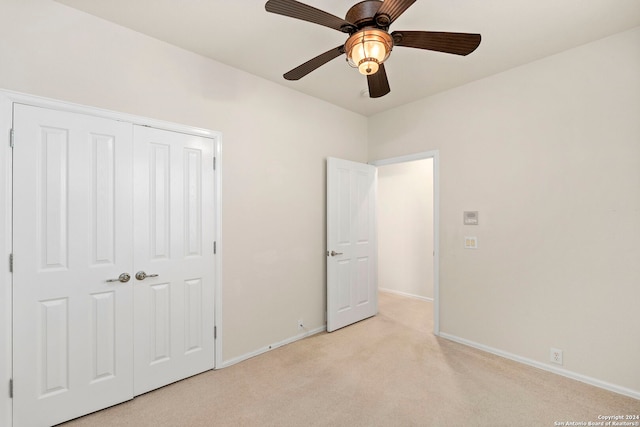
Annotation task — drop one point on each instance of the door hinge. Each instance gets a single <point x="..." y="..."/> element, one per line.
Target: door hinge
<point x="215" y="248"/>
<point x="214" y="163"/>
<point x="215" y="332"/>
<point x="10" y="263"/>
<point x="11" y="388"/>
<point x="11" y="136"/>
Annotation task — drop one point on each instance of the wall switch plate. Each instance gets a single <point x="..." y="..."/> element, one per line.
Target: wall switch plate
<point x="556" y="356"/>
<point x="470" y="242"/>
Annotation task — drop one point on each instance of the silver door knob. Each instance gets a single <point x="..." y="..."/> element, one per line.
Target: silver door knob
<point x="334" y="253"/>
<point x="141" y="275"/>
<point x="124" y="278"/>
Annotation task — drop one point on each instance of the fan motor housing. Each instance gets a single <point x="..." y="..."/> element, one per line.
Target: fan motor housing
<point x="364" y="13"/>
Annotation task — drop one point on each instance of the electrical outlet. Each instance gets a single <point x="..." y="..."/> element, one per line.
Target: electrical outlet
<point x="300" y="324"/>
<point x="556" y="356"/>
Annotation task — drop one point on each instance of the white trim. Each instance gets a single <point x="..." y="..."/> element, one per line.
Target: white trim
<point x="436" y="242"/>
<point x="36" y="101"/>
<point x="218" y="258"/>
<point x="546" y="367"/>
<point x="405" y="294"/>
<point x="435" y="155"/>
<point x="6" y="244"/>
<point x="262" y="350"/>
<point x="403" y="159"/>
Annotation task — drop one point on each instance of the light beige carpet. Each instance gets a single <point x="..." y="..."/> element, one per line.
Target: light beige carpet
<point x="389" y="370"/>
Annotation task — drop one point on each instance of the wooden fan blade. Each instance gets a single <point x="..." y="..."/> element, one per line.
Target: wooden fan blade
<point x="304" y="69"/>
<point x="393" y="9"/>
<point x="456" y="43"/>
<point x="295" y="9"/>
<point x="378" y="83"/>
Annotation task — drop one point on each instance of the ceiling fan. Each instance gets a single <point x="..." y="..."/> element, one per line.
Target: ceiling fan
<point x="370" y="43"/>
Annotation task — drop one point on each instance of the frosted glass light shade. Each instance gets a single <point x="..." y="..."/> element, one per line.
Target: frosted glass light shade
<point x="367" y="49"/>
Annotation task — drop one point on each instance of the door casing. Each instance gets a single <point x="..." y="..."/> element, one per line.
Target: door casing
<point x="7" y="99"/>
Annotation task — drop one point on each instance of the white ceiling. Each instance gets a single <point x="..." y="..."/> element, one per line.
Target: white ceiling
<point x="242" y="34"/>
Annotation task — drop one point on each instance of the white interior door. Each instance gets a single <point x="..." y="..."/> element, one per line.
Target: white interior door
<point x="352" y="287"/>
<point x="72" y="230"/>
<point x="174" y="245"/>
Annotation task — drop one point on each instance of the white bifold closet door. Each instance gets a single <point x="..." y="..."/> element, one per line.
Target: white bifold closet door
<point x="93" y="207"/>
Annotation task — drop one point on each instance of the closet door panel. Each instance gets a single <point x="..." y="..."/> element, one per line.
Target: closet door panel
<point x="174" y="236"/>
<point x="72" y="232"/>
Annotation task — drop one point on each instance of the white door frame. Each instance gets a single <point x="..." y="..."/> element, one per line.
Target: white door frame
<point x="7" y="99"/>
<point x="6" y="313"/>
<point x="435" y="155"/>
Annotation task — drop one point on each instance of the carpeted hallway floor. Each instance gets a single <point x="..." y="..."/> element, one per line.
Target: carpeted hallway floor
<point x="389" y="370"/>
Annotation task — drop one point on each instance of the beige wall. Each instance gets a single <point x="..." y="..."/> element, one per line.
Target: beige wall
<point x="275" y="141"/>
<point x="549" y="154"/>
<point x="405" y="228"/>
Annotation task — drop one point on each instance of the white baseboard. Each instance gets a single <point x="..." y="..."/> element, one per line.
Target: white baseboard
<point x="258" y="352"/>
<point x="405" y="294"/>
<point x="560" y="371"/>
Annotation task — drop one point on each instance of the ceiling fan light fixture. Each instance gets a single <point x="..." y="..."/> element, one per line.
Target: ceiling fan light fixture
<point x="367" y="49"/>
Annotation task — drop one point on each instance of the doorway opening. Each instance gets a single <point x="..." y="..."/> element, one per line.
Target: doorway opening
<point x="408" y="227"/>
